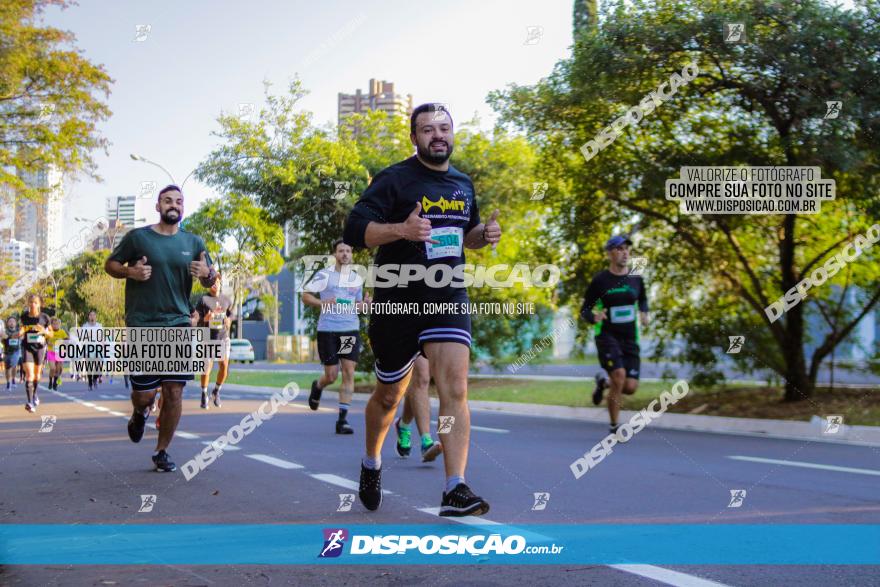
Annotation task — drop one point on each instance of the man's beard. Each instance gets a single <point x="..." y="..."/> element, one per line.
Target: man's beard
<point x="436" y="158"/>
<point x="167" y="219"/>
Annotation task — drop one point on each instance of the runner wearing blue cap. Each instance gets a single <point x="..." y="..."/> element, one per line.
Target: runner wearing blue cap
<point x="612" y="301"/>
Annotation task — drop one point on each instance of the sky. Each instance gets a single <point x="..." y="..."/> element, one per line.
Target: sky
<point x="200" y="58"/>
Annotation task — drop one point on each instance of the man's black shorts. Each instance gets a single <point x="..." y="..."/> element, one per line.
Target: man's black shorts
<point x="398" y="339"/>
<point x="331" y="347"/>
<point x="619" y="353"/>
<point x="151" y="382"/>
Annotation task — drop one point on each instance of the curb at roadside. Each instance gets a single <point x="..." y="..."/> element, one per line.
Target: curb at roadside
<point x="754" y="427"/>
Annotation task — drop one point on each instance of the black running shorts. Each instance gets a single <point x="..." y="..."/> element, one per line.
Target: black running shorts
<point x="151" y="382"/>
<point x="331" y="347"/>
<point x="34" y="354"/>
<point x="398" y="339"/>
<point x="619" y="353"/>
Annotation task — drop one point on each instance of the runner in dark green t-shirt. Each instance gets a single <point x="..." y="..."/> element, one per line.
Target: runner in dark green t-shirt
<point x="158" y="264"/>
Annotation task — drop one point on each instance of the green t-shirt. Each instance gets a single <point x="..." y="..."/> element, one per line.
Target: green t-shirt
<point x="163" y="299"/>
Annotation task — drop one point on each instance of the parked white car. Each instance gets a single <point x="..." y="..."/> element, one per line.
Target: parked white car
<point x="240" y="349"/>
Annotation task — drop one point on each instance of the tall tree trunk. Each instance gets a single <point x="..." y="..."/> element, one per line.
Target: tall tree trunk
<point x="798" y="383"/>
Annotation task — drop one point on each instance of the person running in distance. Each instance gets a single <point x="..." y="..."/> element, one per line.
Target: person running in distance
<point x="339" y="342"/>
<point x="613" y="300"/>
<point x="215" y="311"/>
<point x="35" y="329"/>
<point x="11" y="335"/>
<point x="56" y="365"/>
<point x="159" y="263"/>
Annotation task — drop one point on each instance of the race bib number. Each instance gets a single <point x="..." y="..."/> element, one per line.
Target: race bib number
<point x="13" y="343"/>
<point x="344" y="301"/>
<point x="622" y="314"/>
<point x="35" y="338"/>
<point x="216" y="323"/>
<point x="449" y="245"/>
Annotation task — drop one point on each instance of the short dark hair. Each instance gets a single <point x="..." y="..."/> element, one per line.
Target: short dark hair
<point x="170" y="188"/>
<point x="429" y="107"/>
<point x="336" y="243"/>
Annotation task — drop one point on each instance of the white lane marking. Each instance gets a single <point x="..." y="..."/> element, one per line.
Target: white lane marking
<point x="119" y="414"/>
<point x="102" y="396"/>
<point x="484" y="429"/>
<point x="340" y="481"/>
<point x="102" y="409"/>
<point x="225" y="448"/>
<point x="274" y="461"/>
<point x="187" y="435"/>
<point x="87" y="404"/>
<point x="806" y="465"/>
<point x="667" y="576"/>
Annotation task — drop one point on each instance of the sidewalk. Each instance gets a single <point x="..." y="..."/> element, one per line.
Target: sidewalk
<point x="779" y="429"/>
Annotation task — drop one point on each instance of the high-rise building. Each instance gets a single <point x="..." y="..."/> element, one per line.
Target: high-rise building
<point x="18" y="257"/>
<point x="39" y="222"/>
<point x="379" y="96"/>
<point x="122" y="214"/>
<point x="122" y="208"/>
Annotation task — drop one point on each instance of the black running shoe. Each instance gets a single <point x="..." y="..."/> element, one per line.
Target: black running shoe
<point x="163" y="463"/>
<point x="461" y="501"/>
<point x="204" y="403"/>
<point x="370" y="490"/>
<point x="342" y="427"/>
<point x="404" y="440"/>
<point x="216" y="396"/>
<point x="315" y="395"/>
<point x="612" y="429"/>
<point x="136" y="425"/>
<point x="601" y="384"/>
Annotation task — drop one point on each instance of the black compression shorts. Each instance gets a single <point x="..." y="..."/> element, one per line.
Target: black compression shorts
<point x="619" y="353"/>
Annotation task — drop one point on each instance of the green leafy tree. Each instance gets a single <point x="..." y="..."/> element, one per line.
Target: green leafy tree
<point x="105" y="295"/>
<point x="757" y="103"/>
<point x="50" y="104"/>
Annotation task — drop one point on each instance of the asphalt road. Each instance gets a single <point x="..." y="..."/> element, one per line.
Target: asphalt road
<point x="292" y="469"/>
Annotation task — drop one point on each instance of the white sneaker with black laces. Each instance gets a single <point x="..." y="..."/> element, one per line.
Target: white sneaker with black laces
<point x="461" y="501"/>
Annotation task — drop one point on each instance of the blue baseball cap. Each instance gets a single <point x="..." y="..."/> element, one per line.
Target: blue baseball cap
<point x="616" y="241"/>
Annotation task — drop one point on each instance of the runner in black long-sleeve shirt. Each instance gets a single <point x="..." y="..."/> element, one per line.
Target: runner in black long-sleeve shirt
<point x="613" y="299"/>
<point x="421" y="211"/>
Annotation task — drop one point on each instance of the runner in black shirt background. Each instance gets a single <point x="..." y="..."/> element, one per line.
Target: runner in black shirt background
<point x="421" y="211"/>
<point x="612" y="302"/>
<point x="35" y="328"/>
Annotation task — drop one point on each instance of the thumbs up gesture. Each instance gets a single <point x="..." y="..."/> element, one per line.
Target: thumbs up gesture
<point x="416" y="228"/>
<point x="492" y="230"/>
<point x="140" y="271"/>
<point x="199" y="268"/>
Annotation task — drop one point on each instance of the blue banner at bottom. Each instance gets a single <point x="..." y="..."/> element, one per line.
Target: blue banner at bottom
<point x="304" y="544"/>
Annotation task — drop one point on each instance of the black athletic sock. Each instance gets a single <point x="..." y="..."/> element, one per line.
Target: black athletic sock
<point x="28" y="389"/>
<point x="343" y="411"/>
